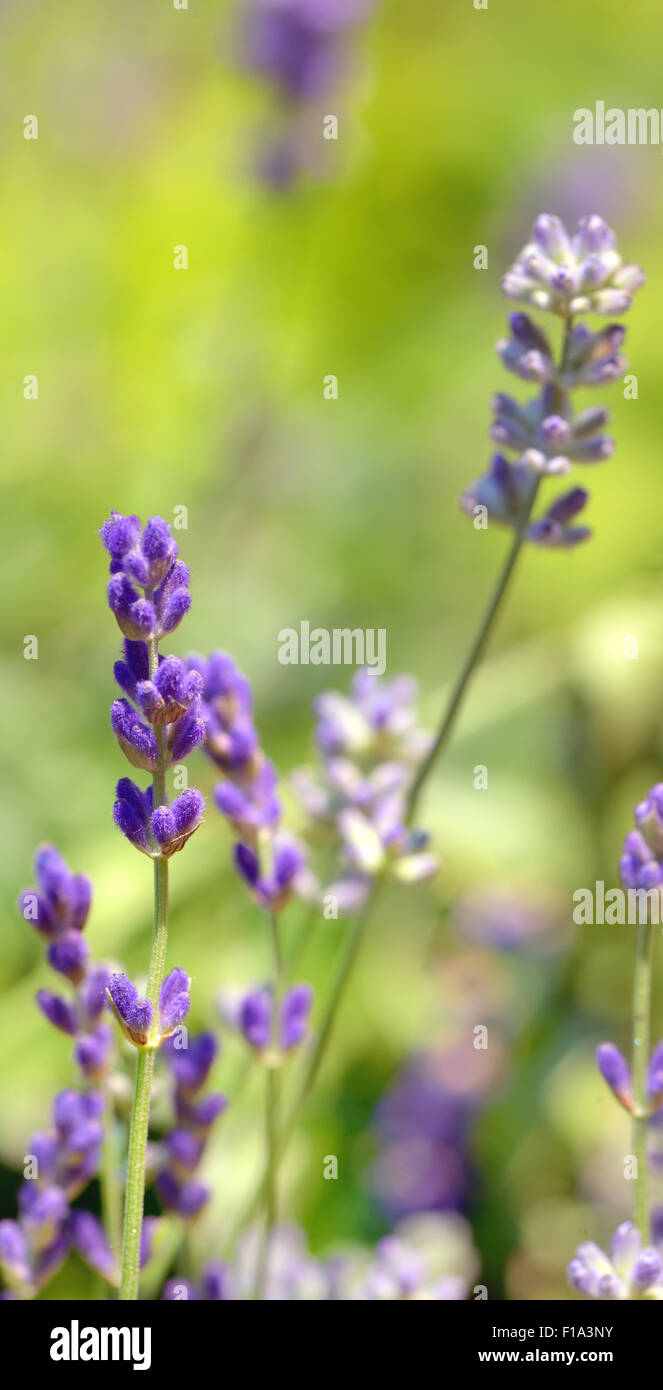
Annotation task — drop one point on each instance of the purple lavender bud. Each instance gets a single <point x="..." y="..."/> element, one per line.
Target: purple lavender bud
<point x="135" y="616"/>
<point x="71" y="1109"/>
<point x="69" y="956"/>
<point x="133" y="1013"/>
<point x="288" y="861"/>
<point x="647" y="1268"/>
<point x="184" y="1150"/>
<point x="615" y="1071"/>
<point x="174" y="1001"/>
<point x="255" y="1019"/>
<point x="92" y="1052"/>
<point x="119" y="534"/>
<point x="68" y="895"/>
<point x="246" y="861"/>
<point x="295" y="1010"/>
<point x="44" y="1150"/>
<point x="625" y="1244"/>
<point x="649" y="819"/>
<point x="216" y="1282"/>
<point x="14" y="1253"/>
<point x="204" y="1112"/>
<point x="132" y="812"/>
<point x="191" y="1065"/>
<point x="171" y="692"/>
<point x="163" y="826"/>
<point x="174" y="610"/>
<point x="48" y="1260"/>
<point x="89" y="1239"/>
<point x="173" y="826"/>
<point x="34" y="908"/>
<point x="159" y="549"/>
<point x="137" y="741"/>
<point x="273" y="891"/>
<point x="188" y="733"/>
<point x="58" y="1012"/>
<point x="550" y="235"/>
<point x="92" y="996"/>
<point x="43" y="1211"/>
<point x="186" y="1199"/>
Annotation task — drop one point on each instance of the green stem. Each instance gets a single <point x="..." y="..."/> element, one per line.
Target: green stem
<point x="474" y="655"/>
<point x="485" y="626"/>
<point x="642" y="980"/>
<point x="140" y="1115"/>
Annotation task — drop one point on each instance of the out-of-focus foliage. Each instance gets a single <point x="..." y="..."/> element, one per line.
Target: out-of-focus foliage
<point x="203" y="388"/>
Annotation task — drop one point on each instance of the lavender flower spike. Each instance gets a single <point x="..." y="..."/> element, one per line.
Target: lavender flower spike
<point x="567" y="276"/>
<point x="578" y="274"/>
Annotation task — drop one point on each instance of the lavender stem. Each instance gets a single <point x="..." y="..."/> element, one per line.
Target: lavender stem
<point x="140" y="1115"/>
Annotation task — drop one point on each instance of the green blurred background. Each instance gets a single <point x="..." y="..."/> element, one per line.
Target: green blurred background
<point x="161" y="388"/>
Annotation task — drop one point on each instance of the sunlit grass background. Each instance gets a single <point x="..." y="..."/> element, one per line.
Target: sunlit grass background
<point x="203" y="388"/>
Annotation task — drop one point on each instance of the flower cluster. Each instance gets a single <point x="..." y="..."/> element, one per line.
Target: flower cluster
<point x="369" y="746"/>
<point x="141" y="1024"/>
<point x="268" y="860"/>
<point x="566" y="276"/>
<point x="178" y="1188"/>
<point x="59" y="908"/>
<point x="62" y="1162"/>
<point x="641" y="864"/>
<point x="299" y="46"/>
<point x="273" y="1038"/>
<point x="632" y="1271"/>
<point x="428" y="1257"/>
<point x="156" y="722"/>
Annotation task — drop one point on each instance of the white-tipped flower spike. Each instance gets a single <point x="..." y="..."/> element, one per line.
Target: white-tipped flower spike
<point x="568" y="275"/>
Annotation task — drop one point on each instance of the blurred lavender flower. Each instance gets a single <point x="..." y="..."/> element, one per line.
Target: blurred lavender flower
<point x="370" y="744"/>
<point x="496" y="917"/>
<point x="270" y="862"/>
<point x="258" y="1026"/>
<point x="178" y="1188"/>
<point x="630" y="1272"/>
<point x="425" y="1121"/>
<point x="567" y="276"/>
<point x="429" y="1257"/>
<point x="300" y="47"/>
<point x="63" y="1161"/>
<point x="58" y="908"/>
